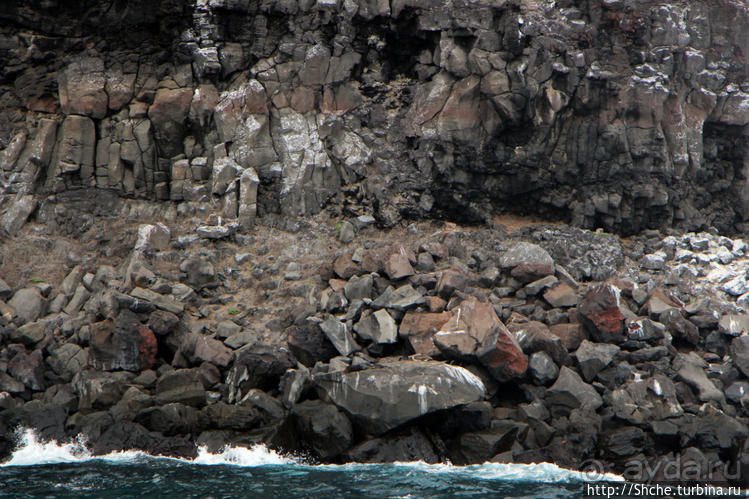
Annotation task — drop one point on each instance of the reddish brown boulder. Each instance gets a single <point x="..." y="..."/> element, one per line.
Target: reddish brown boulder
<point x="344" y="266"/>
<point x="373" y="261"/>
<point x="418" y="328"/>
<point x="124" y="344"/>
<point x="474" y="333"/>
<point x="437" y="250"/>
<point x="600" y="314"/>
<point x="534" y="336"/>
<point x="658" y="303"/>
<point x="435" y="303"/>
<point x="414" y="323"/>
<point x="397" y="266"/>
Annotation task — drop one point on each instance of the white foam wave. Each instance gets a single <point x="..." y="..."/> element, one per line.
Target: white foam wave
<point x="534" y="472"/>
<point x="259" y="455"/>
<point x="32" y="452"/>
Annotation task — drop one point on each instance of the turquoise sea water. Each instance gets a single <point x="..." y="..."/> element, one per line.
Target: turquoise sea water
<point x="68" y="470"/>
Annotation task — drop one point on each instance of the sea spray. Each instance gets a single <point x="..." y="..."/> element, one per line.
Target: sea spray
<point x="32" y="452"/>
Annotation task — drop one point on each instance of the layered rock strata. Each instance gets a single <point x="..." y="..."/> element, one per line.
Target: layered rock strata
<point x="624" y="115"/>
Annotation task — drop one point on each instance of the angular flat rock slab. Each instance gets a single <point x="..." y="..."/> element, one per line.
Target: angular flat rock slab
<point x="339" y="335"/>
<point x="378" y="327"/>
<point x="592" y="357"/>
<point x="571" y="392"/>
<point x="395" y="392"/>
<point x="161" y="301"/>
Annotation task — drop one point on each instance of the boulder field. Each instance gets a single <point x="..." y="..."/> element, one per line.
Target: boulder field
<point x="546" y="343"/>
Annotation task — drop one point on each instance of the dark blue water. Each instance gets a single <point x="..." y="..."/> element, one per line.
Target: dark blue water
<point x="39" y="469"/>
<point x="175" y="479"/>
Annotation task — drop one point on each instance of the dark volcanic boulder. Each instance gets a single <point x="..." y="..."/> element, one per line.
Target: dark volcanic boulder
<point x="624" y="442"/>
<point x="310" y="345"/>
<point x="259" y="366"/>
<point x="480" y="446"/>
<point x="48" y="420"/>
<point x="27" y="367"/>
<point x="170" y="419"/>
<point x="570" y="392"/>
<point x="394" y="392"/>
<point x="739" y="351"/>
<point x="339" y="335"/>
<point x="182" y="386"/>
<point x="124" y="344"/>
<point x="163" y="322"/>
<point x="67" y="359"/>
<point x="232" y="417"/>
<point x="534" y="336"/>
<point x="323" y="427"/>
<point x="408" y="445"/>
<point x="475" y="334"/>
<point x="599" y="312"/>
<point x="125" y="435"/>
<point x="197" y="348"/>
<point x="592" y="357"/>
<point x="100" y="390"/>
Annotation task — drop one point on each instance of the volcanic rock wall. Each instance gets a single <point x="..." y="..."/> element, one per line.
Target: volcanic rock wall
<point x="622" y="114"/>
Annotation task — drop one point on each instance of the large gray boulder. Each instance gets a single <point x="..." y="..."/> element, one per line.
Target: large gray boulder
<point x="527" y="262"/>
<point x="570" y="392"/>
<point x="28" y="304"/>
<point x="397" y="391"/>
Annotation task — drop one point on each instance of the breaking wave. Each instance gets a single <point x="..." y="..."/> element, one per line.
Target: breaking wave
<point x="33" y="452"/>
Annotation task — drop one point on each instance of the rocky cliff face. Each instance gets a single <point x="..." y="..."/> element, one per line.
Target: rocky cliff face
<point x="142" y="141"/>
<point x="621" y="114"/>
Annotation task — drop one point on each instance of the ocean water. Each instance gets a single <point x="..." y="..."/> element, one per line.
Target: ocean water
<point x="69" y="470"/>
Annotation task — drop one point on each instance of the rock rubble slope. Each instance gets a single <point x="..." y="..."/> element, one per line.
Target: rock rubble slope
<point x="487" y="348"/>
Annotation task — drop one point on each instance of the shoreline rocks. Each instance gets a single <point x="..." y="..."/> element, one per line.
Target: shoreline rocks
<point x="458" y="361"/>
